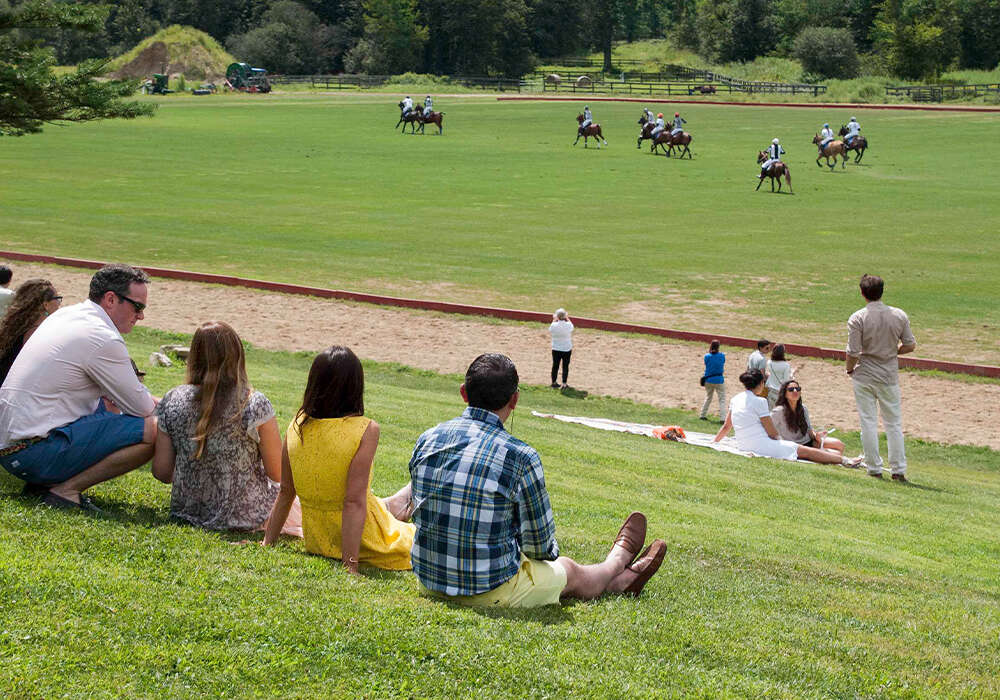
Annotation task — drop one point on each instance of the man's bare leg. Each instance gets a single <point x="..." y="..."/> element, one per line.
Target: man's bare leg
<point x="589" y="581"/>
<point x="115" y="464"/>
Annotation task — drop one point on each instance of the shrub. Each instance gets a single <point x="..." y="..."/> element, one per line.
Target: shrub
<point x="827" y="52"/>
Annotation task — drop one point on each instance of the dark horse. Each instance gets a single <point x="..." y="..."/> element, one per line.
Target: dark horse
<point x="832" y="150"/>
<point x="859" y="144"/>
<point x="774" y="172"/>
<point x="412" y="119"/>
<point x="592" y="130"/>
<point x="432" y="118"/>
<point x="646" y="131"/>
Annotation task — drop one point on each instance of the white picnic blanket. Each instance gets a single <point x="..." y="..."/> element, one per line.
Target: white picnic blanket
<point x="727" y="444"/>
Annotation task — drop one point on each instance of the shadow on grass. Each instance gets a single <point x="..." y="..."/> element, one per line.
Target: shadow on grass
<point x="546" y="615"/>
<point x="571" y="393"/>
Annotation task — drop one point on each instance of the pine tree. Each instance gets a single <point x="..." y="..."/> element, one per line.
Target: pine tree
<point x="32" y="95"/>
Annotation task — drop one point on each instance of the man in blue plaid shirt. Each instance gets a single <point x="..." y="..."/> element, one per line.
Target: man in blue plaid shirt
<point x="485" y="530"/>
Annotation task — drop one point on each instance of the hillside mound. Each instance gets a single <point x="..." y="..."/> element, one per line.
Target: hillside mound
<point x="175" y="50"/>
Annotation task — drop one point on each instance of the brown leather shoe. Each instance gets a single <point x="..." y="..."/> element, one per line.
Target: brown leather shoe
<point x="643" y="569"/>
<point x="632" y="534"/>
<point x="899" y="477"/>
<point x="875" y="475"/>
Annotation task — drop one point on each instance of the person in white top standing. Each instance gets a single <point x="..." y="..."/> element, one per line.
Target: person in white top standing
<point x="876" y="336"/>
<point x="55" y="433"/>
<point x="777" y="373"/>
<point x="561" y="330"/>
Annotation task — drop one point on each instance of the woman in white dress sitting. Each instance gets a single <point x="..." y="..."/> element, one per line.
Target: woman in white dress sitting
<point x="755" y="431"/>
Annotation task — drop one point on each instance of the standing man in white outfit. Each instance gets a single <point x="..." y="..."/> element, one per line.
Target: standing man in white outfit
<point x="561" y="330"/>
<point x="876" y="336"/>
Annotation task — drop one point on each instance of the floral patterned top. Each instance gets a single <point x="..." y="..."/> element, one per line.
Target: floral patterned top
<point x="227" y="488"/>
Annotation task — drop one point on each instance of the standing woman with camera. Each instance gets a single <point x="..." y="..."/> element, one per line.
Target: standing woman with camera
<point x="561" y="331"/>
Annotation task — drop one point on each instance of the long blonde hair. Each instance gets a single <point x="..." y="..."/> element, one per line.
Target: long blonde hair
<point x="217" y="366"/>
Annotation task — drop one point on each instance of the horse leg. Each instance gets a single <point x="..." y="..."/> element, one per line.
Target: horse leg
<point x="788" y="179"/>
<point x="817" y="160"/>
<point x="843" y="159"/>
<point x="759" y="183"/>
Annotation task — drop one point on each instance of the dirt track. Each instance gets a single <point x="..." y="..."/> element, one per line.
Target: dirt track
<point x="647" y="370"/>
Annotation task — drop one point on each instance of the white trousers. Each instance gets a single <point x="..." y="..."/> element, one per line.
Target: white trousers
<point x="710" y="391"/>
<point x="870" y="399"/>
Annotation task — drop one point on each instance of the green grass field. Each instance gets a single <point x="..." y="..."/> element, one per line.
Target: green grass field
<point x="781" y="580"/>
<point x="501" y="210"/>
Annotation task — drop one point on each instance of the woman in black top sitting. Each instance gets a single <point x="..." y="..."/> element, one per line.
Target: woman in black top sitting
<point x="791" y="418"/>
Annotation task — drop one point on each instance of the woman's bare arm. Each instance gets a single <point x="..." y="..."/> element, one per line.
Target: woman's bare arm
<point x="356" y="498"/>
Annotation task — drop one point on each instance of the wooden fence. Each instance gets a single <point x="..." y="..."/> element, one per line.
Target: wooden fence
<point x="938" y="93"/>
<point x="680" y="88"/>
<point x="684" y="81"/>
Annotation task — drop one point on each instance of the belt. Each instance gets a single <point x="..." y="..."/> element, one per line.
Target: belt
<point x="16" y="447"/>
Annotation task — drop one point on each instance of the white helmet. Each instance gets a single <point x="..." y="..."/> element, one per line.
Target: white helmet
<point x="775" y="142"/>
<point x="853" y="119"/>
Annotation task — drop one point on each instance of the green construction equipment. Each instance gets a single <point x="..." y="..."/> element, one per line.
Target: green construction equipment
<point x="157" y="85"/>
<point x="242" y="77"/>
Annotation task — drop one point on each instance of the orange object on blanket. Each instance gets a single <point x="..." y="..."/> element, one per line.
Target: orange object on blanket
<point x="670" y="432"/>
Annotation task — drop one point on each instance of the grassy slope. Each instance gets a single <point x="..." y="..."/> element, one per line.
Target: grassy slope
<point x="501" y="210"/>
<point x="782" y="580"/>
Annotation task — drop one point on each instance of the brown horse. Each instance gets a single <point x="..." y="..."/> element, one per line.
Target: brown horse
<point x="774" y="172"/>
<point x="681" y="140"/>
<point x="859" y="144"/>
<point x="433" y="118"/>
<point x="592" y="130"/>
<point x="413" y="118"/>
<point x="646" y="132"/>
<point x="832" y="150"/>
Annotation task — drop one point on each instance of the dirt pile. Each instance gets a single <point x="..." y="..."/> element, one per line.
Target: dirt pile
<point x="174" y="51"/>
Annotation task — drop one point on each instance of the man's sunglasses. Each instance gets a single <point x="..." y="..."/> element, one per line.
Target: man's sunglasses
<point x="137" y="305"/>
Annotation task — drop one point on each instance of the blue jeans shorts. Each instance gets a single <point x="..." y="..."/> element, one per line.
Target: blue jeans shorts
<point x="69" y="450"/>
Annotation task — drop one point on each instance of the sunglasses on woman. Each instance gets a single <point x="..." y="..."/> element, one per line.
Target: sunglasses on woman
<point x="793" y="389"/>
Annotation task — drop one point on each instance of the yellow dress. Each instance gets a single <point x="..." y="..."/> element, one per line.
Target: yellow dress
<point x="320" y="459"/>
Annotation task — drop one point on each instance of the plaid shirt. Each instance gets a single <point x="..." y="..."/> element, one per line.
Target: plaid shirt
<point x="480" y="502"/>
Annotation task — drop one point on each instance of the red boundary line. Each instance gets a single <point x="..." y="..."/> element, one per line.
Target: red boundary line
<point x="804" y="105"/>
<point x="509" y="314"/>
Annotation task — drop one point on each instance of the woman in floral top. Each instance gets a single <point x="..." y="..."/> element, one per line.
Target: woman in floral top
<point x="218" y="443"/>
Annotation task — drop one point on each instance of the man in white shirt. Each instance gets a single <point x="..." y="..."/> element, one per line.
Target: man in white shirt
<point x="876" y="336"/>
<point x="758" y="358"/>
<point x="55" y="433"/>
<point x="6" y="294"/>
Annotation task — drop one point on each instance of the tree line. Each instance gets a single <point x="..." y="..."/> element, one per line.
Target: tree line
<point x="833" y="38"/>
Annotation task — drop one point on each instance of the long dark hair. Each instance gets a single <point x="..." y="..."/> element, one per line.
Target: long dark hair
<point x="795" y="420"/>
<point x="335" y="388"/>
<point x="26" y="309"/>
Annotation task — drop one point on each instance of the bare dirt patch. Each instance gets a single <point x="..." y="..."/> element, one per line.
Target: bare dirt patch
<point x="642" y="369"/>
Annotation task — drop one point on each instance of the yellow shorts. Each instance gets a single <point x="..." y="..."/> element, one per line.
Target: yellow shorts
<point x="535" y="584"/>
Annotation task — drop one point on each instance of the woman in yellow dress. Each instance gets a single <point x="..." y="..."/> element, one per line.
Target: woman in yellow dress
<point x="327" y="461"/>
